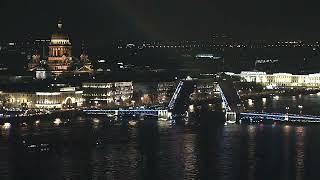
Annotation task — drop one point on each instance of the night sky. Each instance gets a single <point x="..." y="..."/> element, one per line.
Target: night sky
<point x="102" y="20"/>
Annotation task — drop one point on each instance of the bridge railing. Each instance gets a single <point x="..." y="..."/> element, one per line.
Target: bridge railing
<point x="282" y="117"/>
<point x="224" y="99"/>
<point x="175" y="95"/>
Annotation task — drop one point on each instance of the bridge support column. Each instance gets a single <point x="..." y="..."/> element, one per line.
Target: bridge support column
<point x="231" y="116"/>
<point x="163" y="114"/>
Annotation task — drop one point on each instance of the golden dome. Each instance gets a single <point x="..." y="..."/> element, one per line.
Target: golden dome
<point x="59" y="36"/>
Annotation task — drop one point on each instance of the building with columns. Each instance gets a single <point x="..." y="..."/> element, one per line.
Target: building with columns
<point x="281" y="79"/>
<point x="59" y="56"/>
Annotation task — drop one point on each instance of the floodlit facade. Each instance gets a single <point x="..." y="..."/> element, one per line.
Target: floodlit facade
<point x="59" y="58"/>
<point x="63" y="98"/>
<point x="204" y="90"/>
<point x="108" y="93"/>
<point x="165" y="91"/>
<point x="281" y="79"/>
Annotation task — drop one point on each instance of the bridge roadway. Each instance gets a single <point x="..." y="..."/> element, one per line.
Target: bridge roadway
<point x="230" y="96"/>
<point x="162" y="113"/>
<point x="279" y="117"/>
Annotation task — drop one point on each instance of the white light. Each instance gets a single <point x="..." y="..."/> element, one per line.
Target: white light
<point x="191" y="108"/>
<point x="250" y="102"/>
<point x="6" y="126"/>
<point x="264" y="100"/>
<point x="132" y="123"/>
<point x="57" y="121"/>
<point x="95" y="120"/>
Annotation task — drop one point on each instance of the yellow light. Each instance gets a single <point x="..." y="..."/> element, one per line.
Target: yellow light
<point x="6" y="126"/>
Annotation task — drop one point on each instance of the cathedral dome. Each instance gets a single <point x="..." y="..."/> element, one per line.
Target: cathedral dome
<point x="59" y="35"/>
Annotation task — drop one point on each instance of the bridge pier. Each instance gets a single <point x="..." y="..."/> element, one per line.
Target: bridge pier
<point x="231" y="116"/>
<point x="163" y="114"/>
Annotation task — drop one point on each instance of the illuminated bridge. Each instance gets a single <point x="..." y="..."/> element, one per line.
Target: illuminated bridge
<point x="181" y="96"/>
<point x="278" y="117"/>
<point x="118" y="112"/>
<point x="175" y="95"/>
<point x="230" y="99"/>
<point x="232" y="103"/>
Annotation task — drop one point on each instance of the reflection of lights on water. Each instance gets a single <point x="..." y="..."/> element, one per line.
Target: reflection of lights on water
<point x="293" y="98"/>
<point x="300" y="106"/>
<point x="250" y="102"/>
<point x="37" y="122"/>
<point x="300" y="130"/>
<point x="164" y="123"/>
<point x="132" y="123"/>
<point x="261" y="126"/>
<point x="96" y="120"/>
<point x="6" y="126"/>
<point x="300" y="153"/>
<point x="264" y="100"/>
<point x="57" y="121"/>
<point x="276" y="97"/>
<point x="286" y="129"/>
<point x="274" y="124"/>
<point x="251" y="129"/>
<point x="318" y="93"/>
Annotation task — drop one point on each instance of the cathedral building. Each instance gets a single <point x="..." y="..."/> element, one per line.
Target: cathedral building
<point x="59" y="55"/>
<point x="59" y="59"/>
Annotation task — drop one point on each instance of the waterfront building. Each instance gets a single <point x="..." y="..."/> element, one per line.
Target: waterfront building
<point x="165" y="91"/>
<point x="281" y="79"/>
<point x="42" y="73"/>
<point x="56" y="98"/>
<point x="108" y="94"/>
<point x="35" y="62"/>
<point x="205" y="90"/>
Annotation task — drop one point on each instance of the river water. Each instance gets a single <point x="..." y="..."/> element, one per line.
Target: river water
<point x="98" y="148"/>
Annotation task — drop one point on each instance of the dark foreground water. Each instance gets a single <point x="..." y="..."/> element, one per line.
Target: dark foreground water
<point x="96" y="148"/>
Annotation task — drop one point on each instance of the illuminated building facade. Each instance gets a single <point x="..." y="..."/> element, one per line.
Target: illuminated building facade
<point x="205" y="90"/>
<point x="62" y="98"/>
<point x="165" y="91"/>
<point x="59" y="56"/>
<point x="281" y="79"/>
<point x="35" y="62"/>
<point x="108" y="94"/>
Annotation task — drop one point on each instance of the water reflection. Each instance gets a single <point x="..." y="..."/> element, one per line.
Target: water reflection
<point x="300" y="133"/>
<point x="251" y="150"/>
<point x="105" y="148"/>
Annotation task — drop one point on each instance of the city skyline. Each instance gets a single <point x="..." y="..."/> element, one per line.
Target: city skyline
<point x="159" y="89"/>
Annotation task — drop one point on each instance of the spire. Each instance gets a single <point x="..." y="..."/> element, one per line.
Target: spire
<point x="83" y="48"/>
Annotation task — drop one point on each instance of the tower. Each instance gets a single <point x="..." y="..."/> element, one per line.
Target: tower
<point x="84" y="53"/>
<point x="59" y="56"/>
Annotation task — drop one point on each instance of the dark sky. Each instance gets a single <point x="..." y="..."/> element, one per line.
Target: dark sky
<point x="101" y="20"/>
